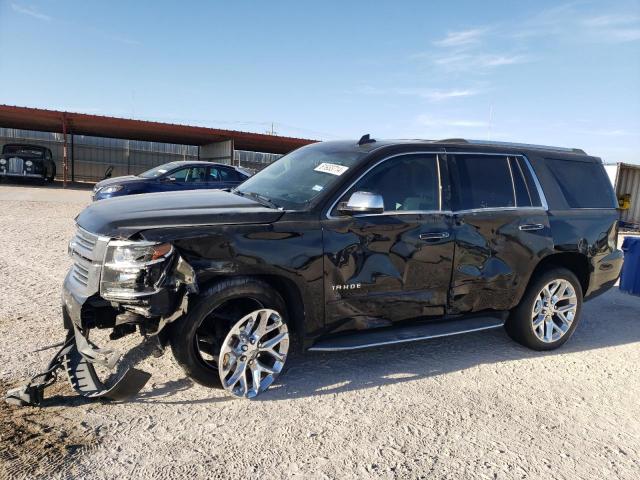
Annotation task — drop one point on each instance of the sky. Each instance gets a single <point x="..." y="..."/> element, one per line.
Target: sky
<point x="554" y="73"/>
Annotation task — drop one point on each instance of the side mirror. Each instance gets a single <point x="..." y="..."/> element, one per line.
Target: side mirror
<point x="362" y="203"/>
<point x="168" y="179"/>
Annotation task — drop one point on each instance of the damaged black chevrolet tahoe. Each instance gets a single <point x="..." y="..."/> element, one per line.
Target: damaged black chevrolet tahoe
<point x="339" y="246"/>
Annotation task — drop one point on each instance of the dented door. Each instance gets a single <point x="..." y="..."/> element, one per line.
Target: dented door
<point x="501" y="230"/>
<point x="496" y="251"/>
<point x="395" y="265"/>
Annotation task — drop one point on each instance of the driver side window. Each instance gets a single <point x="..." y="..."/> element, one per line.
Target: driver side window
<point x="179" y="175"/>
<point x="407" y="183"/>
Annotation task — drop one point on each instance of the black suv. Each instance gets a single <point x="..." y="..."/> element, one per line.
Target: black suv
<point x="344" y="245"/>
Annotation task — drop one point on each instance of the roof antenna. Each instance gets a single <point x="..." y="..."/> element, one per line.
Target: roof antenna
<point x="366" y="139"/>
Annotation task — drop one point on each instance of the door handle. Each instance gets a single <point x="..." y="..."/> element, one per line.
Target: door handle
<point x="434" y="235"/>
<point x="528" y="227"/>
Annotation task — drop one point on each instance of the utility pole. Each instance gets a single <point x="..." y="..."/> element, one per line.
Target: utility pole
<point x="272" y="131"/>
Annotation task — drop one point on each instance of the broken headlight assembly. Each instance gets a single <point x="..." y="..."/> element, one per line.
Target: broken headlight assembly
<point x="133" y="269"/>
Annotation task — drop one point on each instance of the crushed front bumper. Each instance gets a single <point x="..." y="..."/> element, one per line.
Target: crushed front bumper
<point x="83" y="309"/>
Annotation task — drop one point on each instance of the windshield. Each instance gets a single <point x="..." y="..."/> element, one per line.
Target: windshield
<point x="155" y="172"/>
<point x="23" y="150"/>
<point x="293" y="181"/>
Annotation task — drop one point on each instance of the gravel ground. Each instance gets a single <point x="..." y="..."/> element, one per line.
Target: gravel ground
<point x="472" y="406"/>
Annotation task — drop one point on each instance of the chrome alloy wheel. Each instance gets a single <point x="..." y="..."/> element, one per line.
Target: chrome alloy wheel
<point x="253" y="353"/>
<point x="554" y="310"/>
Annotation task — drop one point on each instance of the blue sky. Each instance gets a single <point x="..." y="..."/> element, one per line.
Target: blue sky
<point x="539" y="72"/>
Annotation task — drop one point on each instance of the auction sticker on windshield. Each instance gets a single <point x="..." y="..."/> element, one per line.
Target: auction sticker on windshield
<point x="331" y="168"/>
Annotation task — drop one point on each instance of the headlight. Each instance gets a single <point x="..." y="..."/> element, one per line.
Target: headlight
<point x="111" y="189"/>
<point x="2" y="161"/>
<point x="28" y="163"/>
<point x="133" y="269"/>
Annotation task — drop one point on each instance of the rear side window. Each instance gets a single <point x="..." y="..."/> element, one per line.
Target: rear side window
<point x="482" y="181"/>
<point x="583" y="184"/>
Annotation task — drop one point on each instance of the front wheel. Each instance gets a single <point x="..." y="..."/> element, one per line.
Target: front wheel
<point x="234" y="336"/>
<point x="549" y="311"/>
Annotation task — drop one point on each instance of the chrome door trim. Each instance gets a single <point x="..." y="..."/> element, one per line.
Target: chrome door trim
<point x="543" y="199"/>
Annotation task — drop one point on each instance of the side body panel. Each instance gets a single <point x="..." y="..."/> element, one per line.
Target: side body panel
<point x="590" y="232"/>
<point x="494" y="258"/>
<point x="376" y="266"/>
<point x="289" y="250"/>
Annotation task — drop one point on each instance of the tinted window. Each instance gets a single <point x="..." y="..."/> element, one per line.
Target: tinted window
<point x="482" y="181"/>
<point x="521" y="166"/>
<point x="180" y="175"/>
<point x="23" y="150"/>
<point x="221" y="174"/>
<point x="526" y="192"/>
<point x="190" y="174"/>
<point x="583" y="184"/>
<point x="406" y="183"/>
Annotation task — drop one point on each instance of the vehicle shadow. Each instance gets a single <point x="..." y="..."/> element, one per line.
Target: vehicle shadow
<point x="611" y="320"/>
<point x="57" y="184"/>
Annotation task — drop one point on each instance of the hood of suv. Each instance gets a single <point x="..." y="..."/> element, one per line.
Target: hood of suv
<point x="122" y="217"/>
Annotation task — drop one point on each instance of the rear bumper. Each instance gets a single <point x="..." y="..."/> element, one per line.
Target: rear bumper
<point x="606" y="271"/>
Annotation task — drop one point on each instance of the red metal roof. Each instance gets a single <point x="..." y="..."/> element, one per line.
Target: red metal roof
<point x="103" y="126"/>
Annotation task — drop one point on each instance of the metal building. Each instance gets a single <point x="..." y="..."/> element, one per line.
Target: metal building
<point x="84" y="146"/>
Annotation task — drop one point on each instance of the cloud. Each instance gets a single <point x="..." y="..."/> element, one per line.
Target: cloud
<point x="606" y="132"/>
<point x="475" y="61"/>
<point x="610" y="20"/>
<point x="30" y="11"/>
<point x="428" y="121"/>
<point x="430" y="94"/>
<point x="124" y="40"/>
<point x="461" y="38"/>
<point x="613" y="28"/>
<point x="436" y="95"/>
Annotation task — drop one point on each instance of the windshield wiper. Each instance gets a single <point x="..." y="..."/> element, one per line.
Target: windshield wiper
<point x="261" y="199"/>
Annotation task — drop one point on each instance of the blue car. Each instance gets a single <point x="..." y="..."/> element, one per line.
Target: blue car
<point x="170" y="177"/>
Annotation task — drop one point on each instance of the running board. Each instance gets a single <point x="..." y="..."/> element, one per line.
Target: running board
<point x="407" y="333"/>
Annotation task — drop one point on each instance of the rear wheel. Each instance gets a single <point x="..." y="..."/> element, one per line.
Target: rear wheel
<point x="234" y="336"/>
<point x="549" y="311"/>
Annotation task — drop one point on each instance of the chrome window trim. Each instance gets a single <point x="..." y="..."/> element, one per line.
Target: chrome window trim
<point x="543" y="200"/>
<point x="439" y="183"/>
<point x="513" y="182"/>
<point x="412" y="212"/>
<point x="524" y="179"/>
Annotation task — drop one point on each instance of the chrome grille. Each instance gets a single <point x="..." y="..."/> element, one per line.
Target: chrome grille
<point x="86" y="239"/>
<point x="16" y="165"/>
<point x="87" y="251"/>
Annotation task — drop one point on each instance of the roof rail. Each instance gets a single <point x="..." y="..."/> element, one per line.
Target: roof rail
<point x="511" y="144"/>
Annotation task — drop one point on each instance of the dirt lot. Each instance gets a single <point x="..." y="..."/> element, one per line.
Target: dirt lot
<point x="473" y="406"/>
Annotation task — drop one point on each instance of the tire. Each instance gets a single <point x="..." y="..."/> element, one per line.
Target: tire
<point x="220" y="306"/>
<point x="521" y="322"/>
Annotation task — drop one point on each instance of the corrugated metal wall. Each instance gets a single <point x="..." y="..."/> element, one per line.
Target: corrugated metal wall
<point x="628" y="181"/>
<point x="253" y="161"/>
<point x="93" y="155"/>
